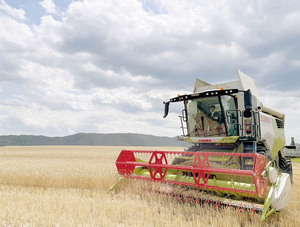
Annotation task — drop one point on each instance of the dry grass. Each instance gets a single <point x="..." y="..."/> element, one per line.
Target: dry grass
<point x="295" y="159"/>
<point x="66" y="186"/>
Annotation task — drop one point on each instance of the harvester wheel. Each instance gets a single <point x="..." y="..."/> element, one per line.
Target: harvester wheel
<point x="285" y="166"/>
<point x="265" y="153"/>
<point x="179" y="160"/>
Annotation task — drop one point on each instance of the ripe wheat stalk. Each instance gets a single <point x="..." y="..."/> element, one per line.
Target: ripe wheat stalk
<point x="67" y="186"/>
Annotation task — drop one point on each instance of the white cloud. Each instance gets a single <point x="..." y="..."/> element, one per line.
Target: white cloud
<point x="16" y="13"/>
<point x="49" y="29"/>
<point x="107" y="66"/>
<point x="49" y="6"/>
<point x="14" y="32"/>
<point x="288" y="103"/>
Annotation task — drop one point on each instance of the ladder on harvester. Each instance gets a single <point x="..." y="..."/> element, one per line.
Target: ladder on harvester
<point x="248" y="147"/>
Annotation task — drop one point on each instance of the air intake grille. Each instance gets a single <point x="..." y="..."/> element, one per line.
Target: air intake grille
<point x="279" y="123"/>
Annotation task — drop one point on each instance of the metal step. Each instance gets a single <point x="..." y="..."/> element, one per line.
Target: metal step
<point x="248" y="146"/>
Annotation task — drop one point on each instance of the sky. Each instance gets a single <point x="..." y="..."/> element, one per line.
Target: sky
<point x="107" y="66"/>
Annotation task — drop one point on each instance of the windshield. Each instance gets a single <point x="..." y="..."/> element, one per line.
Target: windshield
<point x="205" y="116"/>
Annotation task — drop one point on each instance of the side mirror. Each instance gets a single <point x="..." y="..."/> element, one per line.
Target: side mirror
<point x="248" y="103"/>
<point x="166" y="109"/>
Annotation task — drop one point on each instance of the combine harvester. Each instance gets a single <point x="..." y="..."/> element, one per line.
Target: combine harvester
<point x="292" y="151"/>
<point x="236" y="158"/>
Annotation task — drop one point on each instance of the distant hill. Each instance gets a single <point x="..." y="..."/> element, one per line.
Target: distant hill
<point x="92" y="139"/>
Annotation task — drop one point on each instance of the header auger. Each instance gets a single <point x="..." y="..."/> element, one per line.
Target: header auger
<point x="237" y="154"/>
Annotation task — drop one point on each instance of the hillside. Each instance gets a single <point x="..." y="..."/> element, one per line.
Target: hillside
<point x="92" y="139"/>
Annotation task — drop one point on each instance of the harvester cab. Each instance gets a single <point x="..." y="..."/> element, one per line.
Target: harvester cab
<point x="236" y="151"/>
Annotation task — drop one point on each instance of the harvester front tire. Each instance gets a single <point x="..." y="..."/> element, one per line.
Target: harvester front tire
<point x="285" y="166"/>
<point x="177" y="161"/>
<point x="265" y="153"/>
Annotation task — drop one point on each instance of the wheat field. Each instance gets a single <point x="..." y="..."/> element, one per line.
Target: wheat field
<point x="67" y="186"/>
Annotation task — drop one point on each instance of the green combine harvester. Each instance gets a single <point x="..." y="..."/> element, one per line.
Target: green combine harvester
<point x="236" y="157"/>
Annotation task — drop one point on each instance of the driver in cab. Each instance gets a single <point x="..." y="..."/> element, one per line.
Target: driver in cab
<point x="212" y="114"/>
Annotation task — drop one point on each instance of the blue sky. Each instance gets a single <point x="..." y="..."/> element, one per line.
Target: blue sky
<point x="34" y="10"/>
<point x="106" y="66"/>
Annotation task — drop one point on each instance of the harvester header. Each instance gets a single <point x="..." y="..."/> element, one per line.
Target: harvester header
<point x="236" y="150"/>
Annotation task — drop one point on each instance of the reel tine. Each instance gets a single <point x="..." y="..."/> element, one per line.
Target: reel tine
<point x="179" y="195"/>
<point x="187" y="198"/>
<point x="206" y="201"/>
<point x="162" y="193"/>
<point x="240" y="207"/>
<point x="217" y="203"/>
<point x="171" y="194"/>
<point x="228" y="205"/>
<point x="253" y="210"/>
<point x="157" y="190"/>
<point x="197" y="199"/>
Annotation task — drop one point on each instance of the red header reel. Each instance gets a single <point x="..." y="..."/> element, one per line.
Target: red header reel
<point x="208" y="170"/>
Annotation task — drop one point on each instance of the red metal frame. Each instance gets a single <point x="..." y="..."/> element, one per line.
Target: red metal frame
<point x="158" y="166"/>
